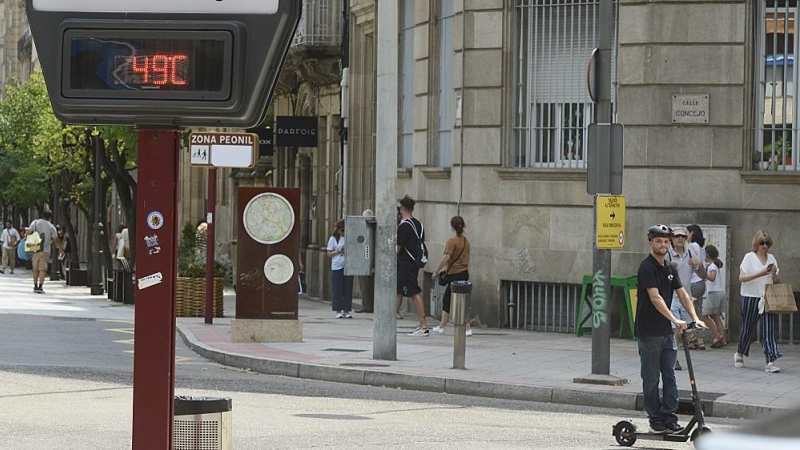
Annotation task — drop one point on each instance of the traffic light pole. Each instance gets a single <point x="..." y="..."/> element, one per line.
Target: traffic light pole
<point x="154" y="326"/>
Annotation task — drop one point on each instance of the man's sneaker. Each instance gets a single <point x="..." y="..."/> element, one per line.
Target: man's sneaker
<point x="738" y="360"/>
<point x="678" y="365"/>
<point x="419" y="331"/>
<point x="347" y="315"/>
<point x="339" y="315"/>
<point x="469" y="332"/>
<point x="771" y="368"/>
<point x="658" y="429"/>
<point x="3" y="271"/>
<point x="674" y="427"/>
<point x="438" y="329"/>
<point x="38" y="290"/>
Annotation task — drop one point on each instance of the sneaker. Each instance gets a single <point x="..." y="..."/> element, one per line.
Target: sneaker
<point x="656" y="428"/>
<point x="419" y="331"/>
<point x="399" y="317"/>
<point x="39" y="291"/>
<point x="339" y="315"/>
<point x="3" y="271"/>
<point x="347" y="315"/>
<point x="678" y="365"/>
<point x="438" y="329"/>
<point x="738" y="360"/>
<point x="674" y="427"/>
<point x="469" y="332"/>
<point x="12" y="272"/>
<point x="771" y="368"/>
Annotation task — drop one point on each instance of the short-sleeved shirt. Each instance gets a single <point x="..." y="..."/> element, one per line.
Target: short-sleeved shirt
<point x="750" y="265"/>
<point x="46" y="231"/>
<point x="407" y="239"/>
<point x="337" y="262"/>
<point x="716" y="285"/>
<point x="650" y="322"/>
<point x="698" y="253"/>
<point x="458" y="249"/>
<point x="8" y="234"/>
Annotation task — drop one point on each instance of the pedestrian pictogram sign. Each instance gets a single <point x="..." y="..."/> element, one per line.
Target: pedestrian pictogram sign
<point x="610" y="222"/>
<point x="223" y="149"/>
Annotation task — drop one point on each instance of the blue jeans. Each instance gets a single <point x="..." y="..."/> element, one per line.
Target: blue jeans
<point x="658" y="354"/>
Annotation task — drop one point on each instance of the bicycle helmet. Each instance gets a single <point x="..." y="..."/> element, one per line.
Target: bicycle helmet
<point x="658" y="231"/>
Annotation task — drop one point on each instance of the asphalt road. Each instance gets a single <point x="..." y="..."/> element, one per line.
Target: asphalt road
<point x="66" y="384"/>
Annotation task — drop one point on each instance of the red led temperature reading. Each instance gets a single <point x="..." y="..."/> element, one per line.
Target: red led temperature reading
<point x="160" y="70"/>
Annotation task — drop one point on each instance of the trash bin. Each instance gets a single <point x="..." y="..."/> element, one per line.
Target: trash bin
<point x="202" y="423"/>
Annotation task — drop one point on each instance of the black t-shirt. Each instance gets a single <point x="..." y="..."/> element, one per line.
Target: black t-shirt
<point x="650" y="322"/>
<point x="407" y="239"/>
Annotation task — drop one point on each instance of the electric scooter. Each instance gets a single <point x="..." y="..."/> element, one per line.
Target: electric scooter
<point x="625" y="431"/>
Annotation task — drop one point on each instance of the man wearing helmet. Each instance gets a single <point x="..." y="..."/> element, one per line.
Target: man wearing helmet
<point x="657" y="280"/>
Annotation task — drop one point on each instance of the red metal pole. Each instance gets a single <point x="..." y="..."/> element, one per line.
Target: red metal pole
<point x="212" y="211"/>
<point x="156" y="269"/>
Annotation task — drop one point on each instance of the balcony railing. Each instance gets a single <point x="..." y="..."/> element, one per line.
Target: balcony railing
<point x="320" y="24"/>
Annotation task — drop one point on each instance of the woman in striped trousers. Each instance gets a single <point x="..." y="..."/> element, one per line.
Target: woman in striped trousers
<point x="758" y="269"/>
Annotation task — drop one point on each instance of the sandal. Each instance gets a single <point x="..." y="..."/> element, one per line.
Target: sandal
<point x="697" y="346"/>
<point x="719" y="343"/>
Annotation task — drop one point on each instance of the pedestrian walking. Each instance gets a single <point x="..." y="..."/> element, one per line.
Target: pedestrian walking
<point x="455" y="265"/>
<point x="410" y="234"/>
<point x="657" y="280"/>
<point x="717" y="298"/>
<point x="10" y="239"/>
<point x="40" y="259"/>
<point x="695" y="243"/>
<point x="341" y="284"/>
<point x="684" y="262"/>
<point x="758" y="269"/>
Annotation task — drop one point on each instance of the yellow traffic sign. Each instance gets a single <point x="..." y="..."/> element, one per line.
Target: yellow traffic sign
<point x="610" y="222"/>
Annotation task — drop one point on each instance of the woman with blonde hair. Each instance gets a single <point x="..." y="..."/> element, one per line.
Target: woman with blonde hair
<point x="758" y="269"/>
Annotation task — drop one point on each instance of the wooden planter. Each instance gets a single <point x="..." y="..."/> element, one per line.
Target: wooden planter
<point x="190" y="297"/>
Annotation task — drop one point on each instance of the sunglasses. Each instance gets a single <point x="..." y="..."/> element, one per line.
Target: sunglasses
<point x="767" y="243"/>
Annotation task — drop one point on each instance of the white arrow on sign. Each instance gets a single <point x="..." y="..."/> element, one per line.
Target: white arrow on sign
<point x="160" y="6"/>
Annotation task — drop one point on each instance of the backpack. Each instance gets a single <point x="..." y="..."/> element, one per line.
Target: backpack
<point x="33" y="242"/>
<point x="421" y="257"/>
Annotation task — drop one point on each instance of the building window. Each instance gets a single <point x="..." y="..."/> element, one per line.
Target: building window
<point x="554" y="40"/>
<point x="407" y="87"/>
<point x="446" y="118"/>
<point x="777" y="86"/>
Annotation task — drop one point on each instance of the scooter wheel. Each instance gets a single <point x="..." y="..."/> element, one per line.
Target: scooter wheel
<point x="699" y="432"/>
<point x="625" y="433"/>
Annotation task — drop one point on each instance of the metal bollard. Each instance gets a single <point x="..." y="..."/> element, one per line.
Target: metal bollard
<point x="459" y="291"/>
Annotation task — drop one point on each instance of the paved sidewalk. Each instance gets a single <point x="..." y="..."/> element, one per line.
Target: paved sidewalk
<point x="501" y="363"/>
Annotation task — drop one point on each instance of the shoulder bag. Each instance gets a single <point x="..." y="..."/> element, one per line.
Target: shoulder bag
<point x="779" y="299"/>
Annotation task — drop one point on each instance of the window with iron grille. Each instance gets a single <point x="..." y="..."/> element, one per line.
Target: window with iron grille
<point x="541" y="306"/>
<point x="320" y="23"/>
<point x="777" y="84"/>
<point x="554" y="40"/>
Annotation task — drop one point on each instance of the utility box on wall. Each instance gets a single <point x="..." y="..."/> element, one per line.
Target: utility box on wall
<point x="359" y="245"/>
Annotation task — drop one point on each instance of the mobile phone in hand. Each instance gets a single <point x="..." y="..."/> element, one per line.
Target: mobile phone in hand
<point x="770" y="266"/>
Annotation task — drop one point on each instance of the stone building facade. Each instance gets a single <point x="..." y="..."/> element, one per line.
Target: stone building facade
<point x="493" y="113"/>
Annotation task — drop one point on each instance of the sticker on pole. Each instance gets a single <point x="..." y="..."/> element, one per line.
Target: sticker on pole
<point x="610" y="222"/>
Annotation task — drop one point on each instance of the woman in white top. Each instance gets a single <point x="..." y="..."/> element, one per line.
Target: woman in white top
<point x="714" y="305"/>
<point x="758" y="269"/>
<point x="341" y="285"/>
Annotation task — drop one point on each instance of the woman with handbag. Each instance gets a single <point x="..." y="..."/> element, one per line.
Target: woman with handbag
<point x="758" y="269"/>
<point x="453" y="266"/>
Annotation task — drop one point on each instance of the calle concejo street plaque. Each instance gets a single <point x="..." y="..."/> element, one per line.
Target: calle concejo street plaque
<point x="690" y="108"/>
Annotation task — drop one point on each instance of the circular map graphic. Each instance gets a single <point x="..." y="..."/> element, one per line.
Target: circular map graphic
<point x="279" y="269"/>
<point x="268" y="218"/>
